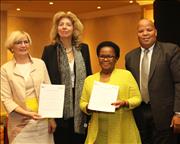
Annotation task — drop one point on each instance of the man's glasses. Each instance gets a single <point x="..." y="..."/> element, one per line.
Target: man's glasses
<point x="109" y="57"/>
<point x="25" y="42"/>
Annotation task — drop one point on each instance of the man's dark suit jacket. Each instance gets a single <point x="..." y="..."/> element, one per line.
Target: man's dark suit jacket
<point x="50" y="58"/>
<point x="164" y="81"/>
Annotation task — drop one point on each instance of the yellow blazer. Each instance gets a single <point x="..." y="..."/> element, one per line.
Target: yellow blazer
<point x="122" y="127"/>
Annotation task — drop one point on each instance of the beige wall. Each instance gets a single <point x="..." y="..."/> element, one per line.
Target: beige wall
<point x="3" y="56"/>
<point x="3" y="52"/>
<point x="148" y="12"/>
<point x="38" y="28"/>
<point x="120" y="28"/>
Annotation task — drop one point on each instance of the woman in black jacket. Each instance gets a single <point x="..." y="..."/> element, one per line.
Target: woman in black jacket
<point x="68" y="63"/>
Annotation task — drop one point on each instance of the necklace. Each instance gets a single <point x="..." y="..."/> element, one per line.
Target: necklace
<point x="69" y="50"/>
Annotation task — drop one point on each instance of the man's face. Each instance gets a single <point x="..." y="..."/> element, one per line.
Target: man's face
<point x="146" y="33"/>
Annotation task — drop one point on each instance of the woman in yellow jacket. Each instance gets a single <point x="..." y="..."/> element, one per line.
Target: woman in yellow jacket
<point x="118" y="127"/>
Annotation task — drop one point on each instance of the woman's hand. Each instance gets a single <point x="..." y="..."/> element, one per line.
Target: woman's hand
<point x="51" y="125"/>
<point x="88" y="110"/>
<point x="120" y="103"/>
<point x="34" y="115"/>
<point x="30" y="114"/>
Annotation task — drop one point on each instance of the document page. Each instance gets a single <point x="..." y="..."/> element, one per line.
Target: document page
<point x="102" y="96"/>
<point x="51" y="101"/>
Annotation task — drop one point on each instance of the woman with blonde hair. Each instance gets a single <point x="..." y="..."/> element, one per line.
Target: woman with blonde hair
<point x="68" y="63"/>
<point x="21" y="78"/>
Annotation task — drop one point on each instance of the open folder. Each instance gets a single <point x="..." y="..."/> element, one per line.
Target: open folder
<point x="102" y="96"/>
<point x="51" y="101"/>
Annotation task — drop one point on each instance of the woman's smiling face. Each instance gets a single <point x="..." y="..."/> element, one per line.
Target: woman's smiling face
<point x="21" y="46"/>
<point x="107" y="59"/>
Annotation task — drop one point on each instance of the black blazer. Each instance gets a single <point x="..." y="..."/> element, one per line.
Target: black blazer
<point x="164" y="81"/>
<point x="50" y="58"/>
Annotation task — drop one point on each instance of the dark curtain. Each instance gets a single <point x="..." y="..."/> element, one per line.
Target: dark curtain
<point x="167" y="20"/>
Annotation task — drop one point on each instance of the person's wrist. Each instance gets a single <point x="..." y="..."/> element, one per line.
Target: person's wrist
<point x="126" y="103"/>
<point x="88" y="111"/>
<point x="27" y="113"/>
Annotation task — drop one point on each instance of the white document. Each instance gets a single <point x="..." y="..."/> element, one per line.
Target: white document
<point x="51" y="101"/>
<point x="102" y="96"/>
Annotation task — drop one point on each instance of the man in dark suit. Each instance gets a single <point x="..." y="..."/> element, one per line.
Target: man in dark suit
<point x="161" y="101"/>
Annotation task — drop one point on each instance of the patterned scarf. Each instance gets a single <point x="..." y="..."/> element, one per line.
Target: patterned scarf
<point x="80" y="72"/>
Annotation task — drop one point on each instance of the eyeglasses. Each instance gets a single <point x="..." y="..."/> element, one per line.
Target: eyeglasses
<point x="109" y="57"/>
<point x="25" y="42"/>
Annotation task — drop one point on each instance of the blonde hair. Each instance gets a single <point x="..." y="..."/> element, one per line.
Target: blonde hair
<point x="16" y="36"/>
<point x="77" y="25"/>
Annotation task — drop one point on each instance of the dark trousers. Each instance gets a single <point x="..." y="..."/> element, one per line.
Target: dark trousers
<point x="148" y="132"/>
<point x="65" y="134"/>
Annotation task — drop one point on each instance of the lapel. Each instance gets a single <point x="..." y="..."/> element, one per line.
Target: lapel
<point x="33" y="75"/>
<point x="33" y="68"/>
<point x="154" y="59"/>
<point x="16" y="70"/>
<point x="137" y="64"/>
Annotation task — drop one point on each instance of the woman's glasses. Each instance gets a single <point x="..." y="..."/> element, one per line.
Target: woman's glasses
<point x="109" y="57"/>
<point x="25" y="42"/>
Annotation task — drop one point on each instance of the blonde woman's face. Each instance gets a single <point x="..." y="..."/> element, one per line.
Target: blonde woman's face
<point x="21" y="47"/>
<point x="65" y="28"/>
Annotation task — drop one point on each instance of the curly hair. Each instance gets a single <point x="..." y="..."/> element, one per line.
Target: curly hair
<point x="78" y="27"/>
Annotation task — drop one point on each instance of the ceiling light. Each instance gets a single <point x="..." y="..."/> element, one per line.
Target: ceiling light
<point x="18" y="9"/>
<point x="51" y="3"/>
<point x="141" y="2"/>
<point x="98" y="7"/>
<point x="131" y="1"/>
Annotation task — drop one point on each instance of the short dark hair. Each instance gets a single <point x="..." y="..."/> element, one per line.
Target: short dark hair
<point x="109" y="44"/>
